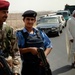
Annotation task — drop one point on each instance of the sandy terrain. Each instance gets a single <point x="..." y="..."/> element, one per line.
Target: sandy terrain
<point x="15" y="19"/>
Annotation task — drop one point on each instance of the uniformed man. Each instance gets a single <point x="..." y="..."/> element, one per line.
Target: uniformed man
<point x="8" y="42"/>
<point x="29" y="40"/>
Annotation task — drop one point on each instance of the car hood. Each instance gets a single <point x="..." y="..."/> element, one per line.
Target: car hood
<point x="47" y="25"/>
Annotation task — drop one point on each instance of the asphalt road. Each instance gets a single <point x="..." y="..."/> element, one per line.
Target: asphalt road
<point x="58" y="57"/>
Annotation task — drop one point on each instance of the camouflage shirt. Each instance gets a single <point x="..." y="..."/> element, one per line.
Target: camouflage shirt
<point x="8" y="46"/>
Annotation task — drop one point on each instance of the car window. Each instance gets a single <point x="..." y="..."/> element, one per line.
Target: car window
<point x="49" y="20"/>
<point x="63" y="13"/>
<point x="59" y="13"/>
<point x="62" y="18"/>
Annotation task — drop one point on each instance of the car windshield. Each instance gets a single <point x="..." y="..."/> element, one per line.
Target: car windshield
<point x="62" y="13"/>
<point x="49" y="20"/>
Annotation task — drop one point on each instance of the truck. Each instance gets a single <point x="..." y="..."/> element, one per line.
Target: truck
<point x="70" y="8"/>
<point x="66" y="14"/>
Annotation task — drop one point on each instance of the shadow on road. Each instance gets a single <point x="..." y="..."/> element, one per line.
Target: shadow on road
<point x="62" y="70"/>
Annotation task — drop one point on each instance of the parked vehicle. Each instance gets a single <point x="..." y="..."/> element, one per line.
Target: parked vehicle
<point x="50" y="25"/>
<point x="71" y="8"/>
<point x="65" y="13"/>
<point x="62" y="20"/>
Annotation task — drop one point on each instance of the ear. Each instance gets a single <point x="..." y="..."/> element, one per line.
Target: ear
<point x="35" y="20"/>
<point x="23" y="19"/>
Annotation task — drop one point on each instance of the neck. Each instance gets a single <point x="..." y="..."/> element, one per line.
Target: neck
<point x="1" y="24"/>
<point x="29" y="29"/>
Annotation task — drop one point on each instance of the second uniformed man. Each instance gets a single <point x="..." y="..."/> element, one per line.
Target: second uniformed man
<point x="29" y="40"/>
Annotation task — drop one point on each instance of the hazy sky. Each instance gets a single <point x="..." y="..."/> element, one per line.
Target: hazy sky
<point x="38" y="5"/>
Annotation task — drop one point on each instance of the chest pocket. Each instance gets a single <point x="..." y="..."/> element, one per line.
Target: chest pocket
<point x="7" y="40"/>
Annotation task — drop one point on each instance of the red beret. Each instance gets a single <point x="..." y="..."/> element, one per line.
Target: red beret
<point x="4" y="5"/>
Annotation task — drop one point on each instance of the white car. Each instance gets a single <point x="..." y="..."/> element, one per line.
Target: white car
<point x="62" y="20"/>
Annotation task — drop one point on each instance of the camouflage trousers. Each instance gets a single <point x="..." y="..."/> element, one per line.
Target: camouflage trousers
<point x="9" y="63"/>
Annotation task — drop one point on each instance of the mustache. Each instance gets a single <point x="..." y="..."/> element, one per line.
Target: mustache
<point x="5" y="17"/>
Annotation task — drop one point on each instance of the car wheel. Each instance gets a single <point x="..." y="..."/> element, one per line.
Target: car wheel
<point x="61" y="31"/>
<point x="58" y="33"/>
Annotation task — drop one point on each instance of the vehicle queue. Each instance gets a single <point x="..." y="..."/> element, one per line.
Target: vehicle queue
<point x="52" y="24"/>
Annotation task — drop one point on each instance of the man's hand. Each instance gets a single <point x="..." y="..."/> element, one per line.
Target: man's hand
<point x="1" y="65"/>
<point x="33" y="50"/>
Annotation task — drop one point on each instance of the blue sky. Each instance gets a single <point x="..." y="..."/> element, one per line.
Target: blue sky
<point x="38" y="5"/>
